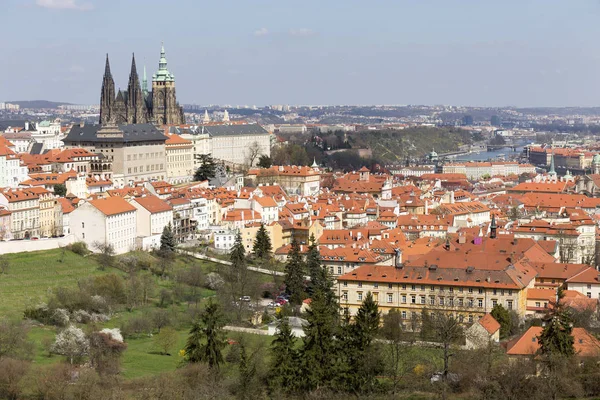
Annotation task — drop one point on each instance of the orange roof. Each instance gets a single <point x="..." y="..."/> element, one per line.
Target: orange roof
<point x="541" y="294"/>
<point x="174" y="139"/>
<point x="266" y="201"/>
<point x="489" y="323"/>
<point x="65" y="205"/>
<point x="112" y="205"/>
<point x="585" y="344"/>
<point x="153" y="204"/>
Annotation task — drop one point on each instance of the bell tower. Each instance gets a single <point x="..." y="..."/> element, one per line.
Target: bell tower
<point x="165" y="108"/>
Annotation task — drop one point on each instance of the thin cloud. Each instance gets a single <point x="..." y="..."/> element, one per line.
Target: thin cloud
<point x="302" y="32"/>
<point x="64" y="5"/>
<point x="261" y="32"/>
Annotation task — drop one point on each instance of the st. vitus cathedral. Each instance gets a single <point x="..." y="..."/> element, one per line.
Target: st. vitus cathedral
<point x="137" y="105"/>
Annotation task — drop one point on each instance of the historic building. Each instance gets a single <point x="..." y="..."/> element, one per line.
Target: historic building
<point x="137" y="105"/>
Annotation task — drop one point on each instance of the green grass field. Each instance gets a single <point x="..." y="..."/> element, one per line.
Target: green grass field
<point x="31" y="275"/>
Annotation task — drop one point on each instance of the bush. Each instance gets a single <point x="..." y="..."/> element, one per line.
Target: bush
<point x="214" y="281"/>
<point x="78" y="248"/>
<point x="136" y="327"/>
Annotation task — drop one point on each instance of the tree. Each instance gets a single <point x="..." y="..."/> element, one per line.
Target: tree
<point x="11" y="374"/>
<point x="14" y="339"/>
<point x="4" y="264"/>
<point x="60" y="190"/>
<point x="247" y="373"/>
<point x="106" y="348"/>
<point x="557" y="336"/>
<point x="502" y="315"/>
<point x="262" y="243"/>
<point x="238" y="281"/>
<point x="167" y="240"/>
<point x="294" y="275"/>
<point x="207" y="169"/>
<point x="72" y="343"/>
<point x="165" y="340"/>
<point x="364" y="362"/>
<point x="319" y="353"/>
<point x="106" y="257"/>
<point x="206" y="339"/>
<point x="264" y="161"/>
<point x="392" y="332"/>
<point x="284" y="371"/>
<point x="252" y="153"/>
<point x="446" y="330"/>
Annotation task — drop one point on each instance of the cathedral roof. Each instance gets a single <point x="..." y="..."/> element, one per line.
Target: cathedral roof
<point x="131" y="133"/>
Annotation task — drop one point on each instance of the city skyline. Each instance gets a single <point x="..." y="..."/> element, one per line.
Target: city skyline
<point x="455" y="53"/>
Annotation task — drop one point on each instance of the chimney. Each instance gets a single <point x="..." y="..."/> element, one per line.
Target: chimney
<point x="81" y="124"/>
<point x="462" y="239"/>
<point x="398" y="259"/>
<point x="26" y="126"/>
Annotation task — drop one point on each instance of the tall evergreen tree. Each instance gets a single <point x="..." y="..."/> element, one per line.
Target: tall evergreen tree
<point x="284" y="371"/>
<point x="236" y="276"/>
<point x="262" y="244"/>
<point x="317" y="273"/>
<point x="502" y="315"/>
<point x="364" y="360"/>
<point x="207" y="169"/>
<point x="320" y="352"/>
<point x="167" y="240"/>
<point x="556" y="338"/>
<point x="294" y="275"/>
<point x="247" y="374"/>
<point x="207" y="339"/>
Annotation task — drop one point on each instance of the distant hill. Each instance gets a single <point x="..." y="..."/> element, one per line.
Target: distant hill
<point x="38" y="103"/>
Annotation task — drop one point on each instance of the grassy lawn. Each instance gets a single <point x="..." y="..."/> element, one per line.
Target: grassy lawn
<point x="31" y="275"/>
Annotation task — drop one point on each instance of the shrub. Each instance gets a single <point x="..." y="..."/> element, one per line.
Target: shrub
<point x="78" y="248"/>
<point x="214" y="281"/>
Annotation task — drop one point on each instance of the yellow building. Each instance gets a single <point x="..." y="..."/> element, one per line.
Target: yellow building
<point x="274" y="230"/>
<point x="47" y="216"/>
<point x="469" y="292"/>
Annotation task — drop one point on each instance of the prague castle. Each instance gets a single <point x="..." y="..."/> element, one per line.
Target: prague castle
<point x="137" y="105"/>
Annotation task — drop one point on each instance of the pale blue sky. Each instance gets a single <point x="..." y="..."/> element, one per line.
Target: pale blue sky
<point x="467" y="52"/>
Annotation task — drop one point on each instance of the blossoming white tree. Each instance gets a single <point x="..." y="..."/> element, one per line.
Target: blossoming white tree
<point x="72" y="343"/>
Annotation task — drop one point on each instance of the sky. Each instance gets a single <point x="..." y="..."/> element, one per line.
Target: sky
<point x="521" y="53"/>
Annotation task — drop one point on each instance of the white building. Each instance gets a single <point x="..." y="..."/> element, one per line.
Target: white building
<point x="153" y="215"/>
<point x="232" y="143"/>
<point x="224" y="239"/>
<point x="48" y="134"/>
<point x="12" y="171"/>
<point x="110" y="221"/>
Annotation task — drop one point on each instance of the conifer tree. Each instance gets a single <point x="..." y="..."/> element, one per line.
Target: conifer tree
<point x="556" y="338"/>
<point x="294" y="275"/>
<point x="284" y="371"/>
<point x="207" y="169"/>
<point x="236" y="276"/>
<point x="502" y="315"/>
<point x="262" y="244"/>
<point x="319" y="354"/>
<point x="167" y="240"/>
<point x="364" y="360"/>
<point x="206" y="339"/>
<point x="317" y="273"/>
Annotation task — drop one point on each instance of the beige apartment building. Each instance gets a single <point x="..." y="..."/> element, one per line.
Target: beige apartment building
<point x="180" y="159"/>
<point x="24" y="206"/>
<point x="137" y="151"/>
<point x="304" y="181"/>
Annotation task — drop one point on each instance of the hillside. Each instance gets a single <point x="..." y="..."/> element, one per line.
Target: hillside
<point x="392" y="146"/>
<point x="38" y="103"/>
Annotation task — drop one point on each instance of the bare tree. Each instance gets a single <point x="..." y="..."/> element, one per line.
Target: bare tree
<point x="106" y="256"/>
<point x="252" y="153"/>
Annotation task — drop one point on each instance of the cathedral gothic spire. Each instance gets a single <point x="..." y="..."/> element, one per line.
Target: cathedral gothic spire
<point x="107" y="94"/>
<point x="136" y="106"/>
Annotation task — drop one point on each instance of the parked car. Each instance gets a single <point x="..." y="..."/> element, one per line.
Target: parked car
<point x="245" y="298"/>
<point x="273" y="304"/>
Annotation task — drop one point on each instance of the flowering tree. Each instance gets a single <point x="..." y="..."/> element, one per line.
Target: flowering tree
<point x="72" y="343"/>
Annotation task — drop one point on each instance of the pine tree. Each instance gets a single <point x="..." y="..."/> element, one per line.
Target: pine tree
<point x="320" y="352"/>
<point x="294" y="275"/>
<point x="167" y="240"/>
<point x="247" y="371"/>
<point x="364" y="361"/>
<point x="207" y="169"/>
<point x="284" y="371"/>
<point x="262" y="243"/>
<point x="237" y="255"/>
<point x="206" y="339"/>
<point x="502" y="315"/>
<point x="314" y="268"/>
<point x="556" y="338"/>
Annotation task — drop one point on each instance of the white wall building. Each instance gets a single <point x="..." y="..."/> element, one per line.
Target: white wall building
<point x="110" y="221"/>
<point x="153" y="215"/>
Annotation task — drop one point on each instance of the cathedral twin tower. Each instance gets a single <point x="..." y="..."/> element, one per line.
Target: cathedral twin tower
<point x="137" y="105"/>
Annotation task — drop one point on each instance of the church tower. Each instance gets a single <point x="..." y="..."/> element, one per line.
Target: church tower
<point x="107" y="96"/>
<point x="136" y="106"/>
<point x="165" y="108"/>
